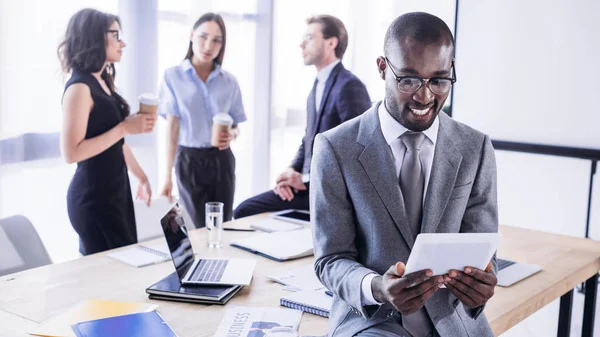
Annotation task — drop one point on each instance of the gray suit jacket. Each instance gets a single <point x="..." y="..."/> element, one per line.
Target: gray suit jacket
<point x="360" y="223"/>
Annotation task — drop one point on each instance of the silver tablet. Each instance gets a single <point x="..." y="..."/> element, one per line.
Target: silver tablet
<point x="442" y="252"/>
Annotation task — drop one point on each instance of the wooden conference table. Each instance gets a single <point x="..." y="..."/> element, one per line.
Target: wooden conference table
<point x="30" y="297"/>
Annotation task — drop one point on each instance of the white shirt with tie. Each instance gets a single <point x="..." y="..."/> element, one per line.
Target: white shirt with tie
<point x="392" y="130"/>
<point x="322" y="77"/>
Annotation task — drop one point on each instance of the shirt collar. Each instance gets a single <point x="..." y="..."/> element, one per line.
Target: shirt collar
<point x="323" y="75"/>
<point x="187" y="65"/>
<point x="392" y="129"/>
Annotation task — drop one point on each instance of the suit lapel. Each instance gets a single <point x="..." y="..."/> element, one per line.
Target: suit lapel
<point x="328" y="85"/>
<point x="377" y="161"/>
<point x="446" y="162"/>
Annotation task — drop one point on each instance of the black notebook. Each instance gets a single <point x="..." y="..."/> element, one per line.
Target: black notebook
<point x="171" y="289"/>
<point x="193" y="300"/>
<point x="313" y="302"/>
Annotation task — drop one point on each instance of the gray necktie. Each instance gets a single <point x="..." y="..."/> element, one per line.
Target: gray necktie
<point x="412" y="179"/>
<point x="412" y="182"/>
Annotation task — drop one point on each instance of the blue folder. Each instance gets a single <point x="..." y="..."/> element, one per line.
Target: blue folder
<point x="144" y="324"/>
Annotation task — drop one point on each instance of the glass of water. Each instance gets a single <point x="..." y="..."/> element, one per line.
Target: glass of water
<point x="214" y="223"/>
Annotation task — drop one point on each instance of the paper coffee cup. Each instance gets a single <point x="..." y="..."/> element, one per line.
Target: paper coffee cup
<point x="222" y="122"/>
<point x="148" y="103"/>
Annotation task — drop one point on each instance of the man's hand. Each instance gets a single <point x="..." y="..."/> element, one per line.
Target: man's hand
<point x="288" y="181"/>
<point x="407" y="293"/>
<point x="473" y="287"/>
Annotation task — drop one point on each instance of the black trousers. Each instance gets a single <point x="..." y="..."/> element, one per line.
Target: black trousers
<point x="271" y="202"/>
<point x="204" y="175"/>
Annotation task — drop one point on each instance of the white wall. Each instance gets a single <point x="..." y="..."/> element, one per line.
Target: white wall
<point x="528" y="70"/>
<point x="543" y="192"/>
<point x="526" y="73"/>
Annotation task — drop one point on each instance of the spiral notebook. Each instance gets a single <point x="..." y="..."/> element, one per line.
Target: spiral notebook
<point x="143" y="255"/>
<point x="313" y="302"/>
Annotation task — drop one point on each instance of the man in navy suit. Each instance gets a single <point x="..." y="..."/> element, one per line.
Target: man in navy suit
<point x="337" y="96"/>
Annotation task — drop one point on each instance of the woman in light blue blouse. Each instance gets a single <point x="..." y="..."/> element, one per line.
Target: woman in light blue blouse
<point x="191" y="94"/>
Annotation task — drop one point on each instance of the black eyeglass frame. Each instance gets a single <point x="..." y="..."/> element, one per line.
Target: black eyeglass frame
<point x="116" y="32"/>
<point x="424" y="81"/>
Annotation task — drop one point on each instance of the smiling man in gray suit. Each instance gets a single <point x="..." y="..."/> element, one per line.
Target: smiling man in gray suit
<point x="400" y="169"/>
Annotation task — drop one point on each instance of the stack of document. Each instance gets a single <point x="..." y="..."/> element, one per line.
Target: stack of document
<point x="171" y="289"/>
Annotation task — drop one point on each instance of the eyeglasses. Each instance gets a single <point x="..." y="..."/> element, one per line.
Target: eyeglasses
<point x="116" y="34"/>
<point x="412" y="84"/>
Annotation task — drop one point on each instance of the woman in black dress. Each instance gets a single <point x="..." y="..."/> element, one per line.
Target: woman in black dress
<point x="95" y="121"/>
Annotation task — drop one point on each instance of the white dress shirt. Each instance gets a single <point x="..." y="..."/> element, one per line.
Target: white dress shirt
<point x="322" y="77"/>
<point x="392" y="130"/>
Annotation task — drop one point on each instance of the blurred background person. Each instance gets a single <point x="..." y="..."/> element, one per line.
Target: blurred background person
<point x="95" y="121"/>
<point x="191" y="95"/>
<point x="337" y="96"/>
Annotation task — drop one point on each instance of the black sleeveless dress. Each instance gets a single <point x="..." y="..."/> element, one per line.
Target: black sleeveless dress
<point x="99" y="199"/>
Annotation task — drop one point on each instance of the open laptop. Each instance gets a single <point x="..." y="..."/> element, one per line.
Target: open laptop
<point x="511" y="272"/>
<point x="201" y="271"/>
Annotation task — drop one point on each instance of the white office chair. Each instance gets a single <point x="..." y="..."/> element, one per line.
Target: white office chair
<point x="20" y="246"/>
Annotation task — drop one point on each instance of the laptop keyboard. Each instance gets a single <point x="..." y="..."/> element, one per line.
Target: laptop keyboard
<point x="209" y="271"/>
<point x="504" y="263"/>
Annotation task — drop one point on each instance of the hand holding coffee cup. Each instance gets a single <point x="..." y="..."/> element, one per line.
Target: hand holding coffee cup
<point x="139" y="123"/>
<point x="221" y="131"/>
<point x="148" y="103"/>
<point x="148" y="108"/>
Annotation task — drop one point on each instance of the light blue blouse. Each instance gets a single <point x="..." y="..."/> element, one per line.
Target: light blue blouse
<point x="194" y="102"/>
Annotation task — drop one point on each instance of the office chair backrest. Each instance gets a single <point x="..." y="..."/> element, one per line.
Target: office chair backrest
<point x="20" y="246"/>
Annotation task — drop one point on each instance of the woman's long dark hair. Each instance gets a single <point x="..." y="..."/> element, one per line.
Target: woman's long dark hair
<point x="219" y="20"/>
<point x="84" y="48"/>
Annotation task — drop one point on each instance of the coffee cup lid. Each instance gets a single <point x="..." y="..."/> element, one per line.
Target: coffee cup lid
<point x="223" y="118"/>
<point x="148" y="98"/>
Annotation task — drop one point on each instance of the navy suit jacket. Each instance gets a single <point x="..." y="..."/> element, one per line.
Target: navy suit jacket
<point x="344" y="98"/>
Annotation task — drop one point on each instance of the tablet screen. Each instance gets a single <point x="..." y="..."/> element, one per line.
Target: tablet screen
<point x="296" y="215"/>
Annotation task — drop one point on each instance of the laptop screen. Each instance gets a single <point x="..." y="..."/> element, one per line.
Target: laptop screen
<point x="177" y="239"/>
